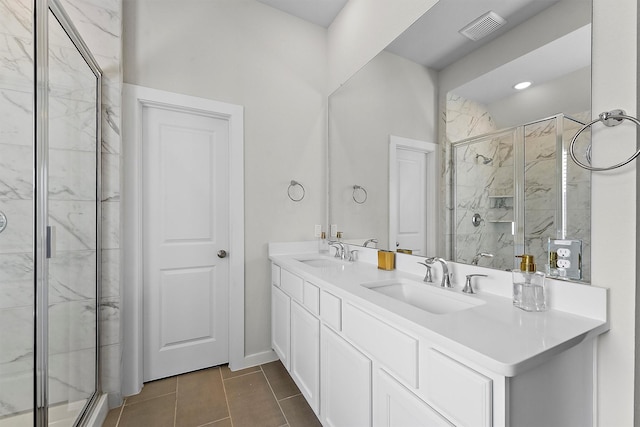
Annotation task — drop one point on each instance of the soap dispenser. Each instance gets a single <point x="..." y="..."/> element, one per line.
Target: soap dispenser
<point x="323" y="245"/>
<point x="528" y="286"/>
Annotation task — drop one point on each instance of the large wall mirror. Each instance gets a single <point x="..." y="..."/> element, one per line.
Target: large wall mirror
<point x="432" y="151"/>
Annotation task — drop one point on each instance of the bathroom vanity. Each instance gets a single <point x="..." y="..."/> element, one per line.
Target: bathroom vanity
<point x="372" y="347"/>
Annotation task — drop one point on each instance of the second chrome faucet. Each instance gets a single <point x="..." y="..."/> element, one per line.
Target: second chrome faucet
<point x="446" y="277"/>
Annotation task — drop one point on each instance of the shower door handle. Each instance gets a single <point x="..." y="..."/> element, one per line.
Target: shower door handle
<point x="222" y="253"/>
<point x="50" y="245"/>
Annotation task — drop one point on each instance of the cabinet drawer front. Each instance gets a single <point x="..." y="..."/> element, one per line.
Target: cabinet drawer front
<point x="390" y="346"/>
<point x="275" y="275"/>
<point x="331" y="310"/>
<point x="457" y="391"/>
<point x="311" y="298"/>
<point x="395" y="405"/>
<point x="292" y="285"/>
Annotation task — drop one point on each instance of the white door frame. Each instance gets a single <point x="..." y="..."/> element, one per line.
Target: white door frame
<point x="134" y="100"/>
<point x="430" y="149"/>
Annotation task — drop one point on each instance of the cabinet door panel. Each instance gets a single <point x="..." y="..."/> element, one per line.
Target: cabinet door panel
<point x="346" y="383"/>
<point x="305" y="354"/>
<point x="461" y="394"/>
<point x="280" y="324"/>
<point x="396" y="406"/>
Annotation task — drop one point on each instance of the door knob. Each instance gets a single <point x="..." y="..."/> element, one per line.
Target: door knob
<point x="222" y="253"/>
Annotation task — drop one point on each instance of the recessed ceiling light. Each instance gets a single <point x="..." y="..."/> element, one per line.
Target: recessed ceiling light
<point x="522" y="85"/>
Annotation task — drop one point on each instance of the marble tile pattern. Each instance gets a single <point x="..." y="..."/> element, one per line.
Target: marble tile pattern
<point x="487" y="188"/>
<point x="72" y="194"/>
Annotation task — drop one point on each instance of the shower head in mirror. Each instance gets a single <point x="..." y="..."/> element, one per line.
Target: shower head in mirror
<point x="485" y="160"/>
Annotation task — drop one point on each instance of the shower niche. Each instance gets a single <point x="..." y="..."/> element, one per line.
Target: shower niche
<point x="513" y="189"/>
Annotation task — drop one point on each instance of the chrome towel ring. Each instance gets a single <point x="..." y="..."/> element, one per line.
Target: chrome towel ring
<point x="359" y="194"/>
<point x="293" y="185"/>
<point x="608" y="118"/>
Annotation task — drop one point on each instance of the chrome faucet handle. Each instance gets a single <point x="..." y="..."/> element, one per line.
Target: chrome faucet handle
<point x="366" y="242"/>
<point x="468" y="289"/>
<point x="476" y="259"/>
<point x="428" y="278"/>
<point x="353" y="255"/>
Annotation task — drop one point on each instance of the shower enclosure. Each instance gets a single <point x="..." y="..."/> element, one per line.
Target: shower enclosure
<point x="513" y="189"/>
<point x="50" y="221"/>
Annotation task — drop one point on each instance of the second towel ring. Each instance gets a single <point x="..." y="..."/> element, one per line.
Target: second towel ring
<point x="293" y="185"/>
<point x="608" y="118"/>
<point x="362" y="197"/>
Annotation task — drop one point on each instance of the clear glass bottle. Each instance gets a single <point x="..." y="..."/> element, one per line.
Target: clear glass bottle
<point x="528" y="286"/>
<point x="323" y="245"/>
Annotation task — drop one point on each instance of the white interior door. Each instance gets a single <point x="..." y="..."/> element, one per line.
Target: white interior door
<point x="185" y="225"/>
<point x="412" y="200"/>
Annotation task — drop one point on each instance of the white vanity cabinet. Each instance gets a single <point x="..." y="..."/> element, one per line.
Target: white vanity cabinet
<point x="358" y="365"/>
<point x="296" y="331"/>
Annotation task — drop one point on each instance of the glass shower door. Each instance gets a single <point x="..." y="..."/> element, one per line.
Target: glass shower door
<point x="72" y="193"/>
<point x="17" y="214"/>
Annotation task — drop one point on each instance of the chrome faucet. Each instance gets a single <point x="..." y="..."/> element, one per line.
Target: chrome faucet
<point x="428" y="278"/>
<point x="446" y="278"/>
<point x="468" y="288"/>
<point x="366" y="242"/>
<point x="340" y="250"/>
<point x="476" y="259"/>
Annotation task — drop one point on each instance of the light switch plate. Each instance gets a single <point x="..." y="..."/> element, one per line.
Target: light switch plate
<point x="317" y="232"/>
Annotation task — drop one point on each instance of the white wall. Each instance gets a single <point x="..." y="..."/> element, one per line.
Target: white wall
<point x="614" y="205"/>
<point x="363" y="28"/>
<point x="389" y="96"/>
<point x="243" y="52"/>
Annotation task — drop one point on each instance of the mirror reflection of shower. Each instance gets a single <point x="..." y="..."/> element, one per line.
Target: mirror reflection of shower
<point x="485" y="160"/>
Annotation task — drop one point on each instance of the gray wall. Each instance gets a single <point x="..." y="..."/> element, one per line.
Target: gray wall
<point x="246" y="53"/>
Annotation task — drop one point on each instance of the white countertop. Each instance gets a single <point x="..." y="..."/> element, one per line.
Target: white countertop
<point x="495" y="334"/>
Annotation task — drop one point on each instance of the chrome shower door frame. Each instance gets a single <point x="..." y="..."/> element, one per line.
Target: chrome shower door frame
<point x="41" y="9"/>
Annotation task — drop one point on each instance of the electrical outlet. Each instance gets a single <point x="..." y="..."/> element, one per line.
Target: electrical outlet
<point x="334" y="230"/>
<point x="317" y="231"/>
<point x="565" y="258"/>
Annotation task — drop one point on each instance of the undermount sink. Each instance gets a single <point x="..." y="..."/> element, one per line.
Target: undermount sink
<point x="423" y="296"/>
<point x="323" y="262"/>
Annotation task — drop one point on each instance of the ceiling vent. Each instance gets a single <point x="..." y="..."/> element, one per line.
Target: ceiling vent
<point x="483" y="26"/>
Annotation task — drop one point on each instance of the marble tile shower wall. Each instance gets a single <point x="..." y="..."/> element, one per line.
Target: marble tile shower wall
<point x="16" y="198"/>
<point x="487" y="189"/>
<point x="541" y="191"/>
<point x="462" y="118"/>
<point x="485" y="186"/>
<point x="99" y="22"/>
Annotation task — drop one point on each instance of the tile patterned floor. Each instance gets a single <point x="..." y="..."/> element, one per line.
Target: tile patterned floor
<point x="261" y="396"/>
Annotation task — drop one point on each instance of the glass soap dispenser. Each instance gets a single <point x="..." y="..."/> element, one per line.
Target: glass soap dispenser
<point x="528" y="286"/>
